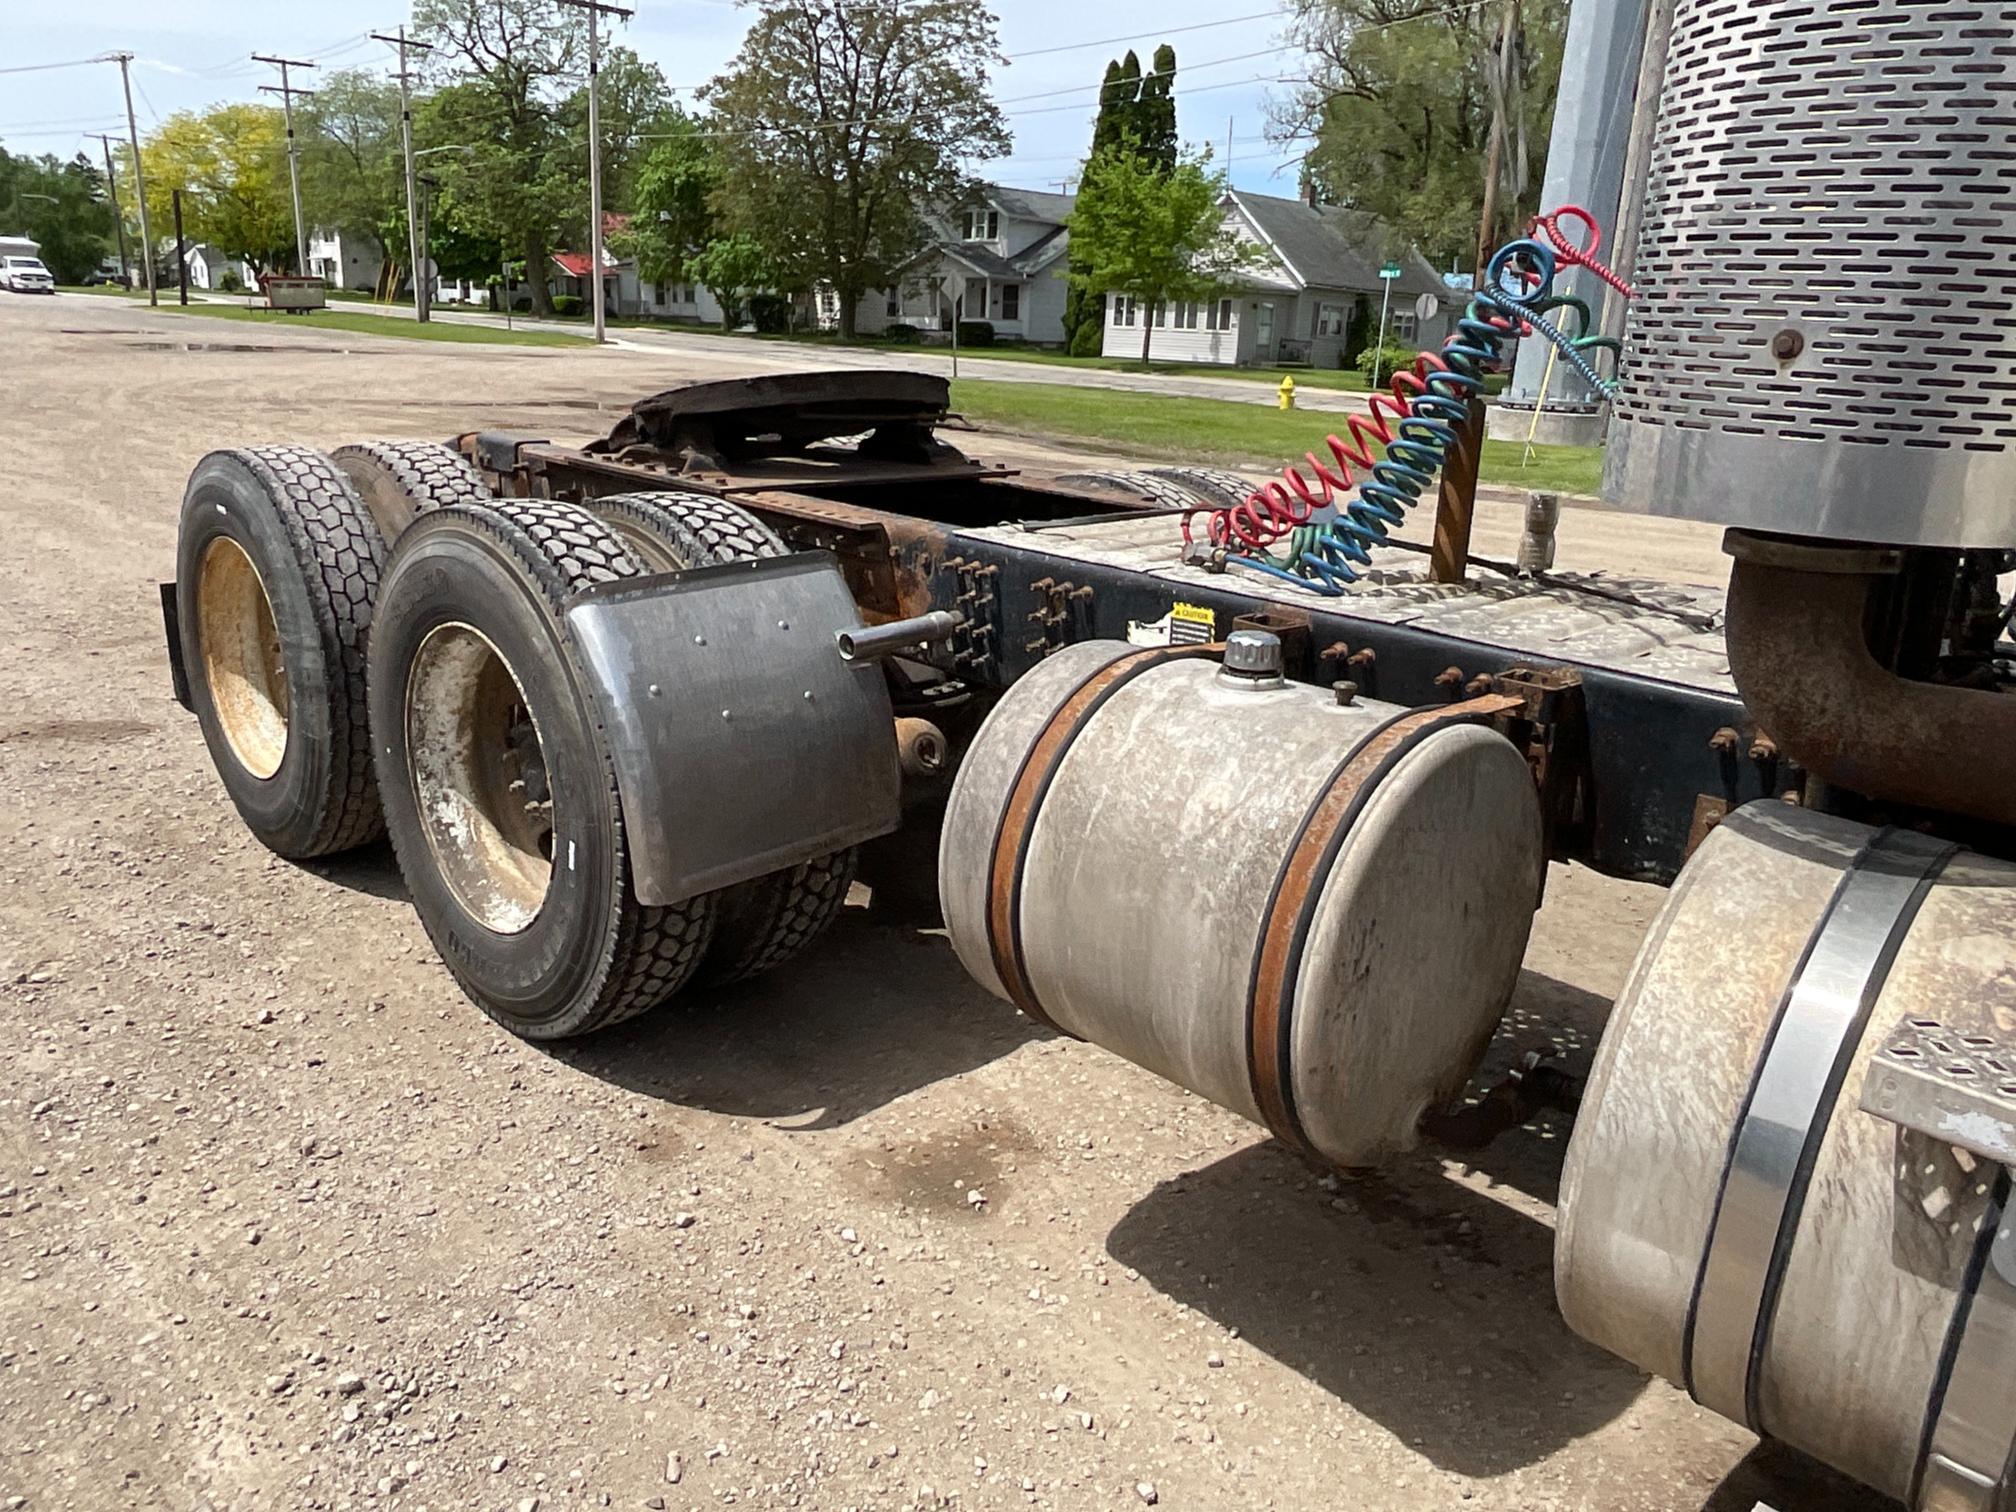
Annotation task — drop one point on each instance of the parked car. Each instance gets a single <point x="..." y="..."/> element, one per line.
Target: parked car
<point x="108" y="278"/>
<point x="26" y="275"/>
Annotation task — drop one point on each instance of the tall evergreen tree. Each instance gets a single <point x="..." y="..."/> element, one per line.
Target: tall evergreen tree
<point x="1119" y="123"/>
<point x="1155" y="111"/>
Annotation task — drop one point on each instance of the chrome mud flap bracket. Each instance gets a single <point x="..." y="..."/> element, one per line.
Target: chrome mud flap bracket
<point x="743" y="742"/>
<point x="1957" y="1092"/>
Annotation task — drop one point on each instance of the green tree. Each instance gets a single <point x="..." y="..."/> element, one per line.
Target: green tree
<point x="1155" y="234"/>
<point x="230" y="162"/>
<point x="671" y="202"/>
<point x="63" y="206"/>
<point x="506" y="68"/>
<point x="674" y="232"/>
<point x="1155" y="110"/>
<point x="353" y="175"/>
<point x="731" y="268"/>
<point x="1395" y="111"/>
<point x="1119" y="94"/>
<point x="840" y="122"/>
<point x="1118" y="122"/>
<point x="635" y="107"/>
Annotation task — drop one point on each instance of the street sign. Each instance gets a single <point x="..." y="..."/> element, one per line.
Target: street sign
<point x="1390" y="272"/>
<point x="1427" y="307"/>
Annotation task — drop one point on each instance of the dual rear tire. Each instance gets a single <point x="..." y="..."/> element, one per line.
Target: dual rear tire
<point x="469" y="732"/>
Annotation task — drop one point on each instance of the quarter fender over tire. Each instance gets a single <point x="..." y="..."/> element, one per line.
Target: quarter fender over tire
<point x="765" y="922"/>
<point x="277" y="569"/>
<point x="1155" y="485"/>
<point x="401" y="480"/>
<point x="500" y="792"/>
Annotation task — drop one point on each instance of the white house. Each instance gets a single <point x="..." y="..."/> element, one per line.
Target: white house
<point x="1321" y="264"/>
<point x="345" y="259"/>
<point x="999" y="257"/>
<point x="208" y="266"/>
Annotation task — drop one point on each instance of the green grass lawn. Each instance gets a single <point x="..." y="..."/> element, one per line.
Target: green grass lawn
<point x="378" y="325"/>
<point x="1224" y="430"/>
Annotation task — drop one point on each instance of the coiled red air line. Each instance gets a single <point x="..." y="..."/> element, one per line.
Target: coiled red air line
<point x="1282" y="506"/>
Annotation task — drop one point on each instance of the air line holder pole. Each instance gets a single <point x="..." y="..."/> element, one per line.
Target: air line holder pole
<point x="1456" y="504"/>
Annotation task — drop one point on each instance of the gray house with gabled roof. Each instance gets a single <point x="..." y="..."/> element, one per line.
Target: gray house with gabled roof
<point x="1297" y="303"/>
<point x="1000" y="256"/>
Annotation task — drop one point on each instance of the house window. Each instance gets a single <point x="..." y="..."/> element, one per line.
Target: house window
<point x="1123" y="309"/>
<point x="664" y="292"/>
<point x="1187" y="312"/>
<point x="1330" y="319"/>
<point x="1219" y="316"/>
<point x="1011" y="301"/>
<point x="1161" y="315"/>
<point x="983" y="225"/>
<point x="893" y="305"/>
<point x="1406" y="328"/>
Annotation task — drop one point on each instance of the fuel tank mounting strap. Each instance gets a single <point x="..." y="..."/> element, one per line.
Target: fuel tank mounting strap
<point x="1812" y="1043"/>
<point x="1972" y="1447"/>
<point x="1010" y="852"/>
<point x="1298" y="889"/>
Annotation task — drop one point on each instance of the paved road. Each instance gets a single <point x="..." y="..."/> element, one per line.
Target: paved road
<point x="777" y="356"/>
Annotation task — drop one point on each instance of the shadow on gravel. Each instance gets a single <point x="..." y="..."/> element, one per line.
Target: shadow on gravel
<point x="867" y="1015"/>
<point x="373" y="869"/>
<point x="1426" y="1306"/>
<point x="1553" y="1017"/>
<point x="1779" y="1477"/>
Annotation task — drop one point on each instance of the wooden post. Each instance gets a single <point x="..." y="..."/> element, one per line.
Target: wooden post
<point x="1456" y="506"/>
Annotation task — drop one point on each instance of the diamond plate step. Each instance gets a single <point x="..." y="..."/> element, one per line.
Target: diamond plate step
<point x="1956" y="1088"/>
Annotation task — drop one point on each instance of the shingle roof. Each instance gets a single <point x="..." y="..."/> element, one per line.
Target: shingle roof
<point x="981" y="260"/>
<point x="1050" y="244"/>
<point x="1030" y="204"/>
<point x="1334" y="248"/>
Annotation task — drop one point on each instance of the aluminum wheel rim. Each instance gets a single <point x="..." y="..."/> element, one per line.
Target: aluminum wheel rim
<point x="243" y="666"/>
<point x="479" y="778"/>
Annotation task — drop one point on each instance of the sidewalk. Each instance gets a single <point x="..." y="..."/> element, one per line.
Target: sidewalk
<point x="776" y="356"/>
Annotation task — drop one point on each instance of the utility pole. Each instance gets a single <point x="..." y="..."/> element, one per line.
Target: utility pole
<point x="1487" y="229"/>
<point x="428" y="185"/>
<point x="139" y="176"/>
<point x="118" y="219"/>
<point x="413" y="239"/>
<point x="286" y="90"/>
<point x="596" y="10"/>
<point x="181" y="252"/>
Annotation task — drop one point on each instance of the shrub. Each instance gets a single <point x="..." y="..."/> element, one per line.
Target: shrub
<point x="1389" y="358"/>
<point x="901" y="334"/>
<point x="567" y="304"/>
<point x="770" y="313"/>
<point x="976" y="333"/>
<point x="1089" y="340"/>
<point x="228" y="282"/>
<point x="522" y="304"/>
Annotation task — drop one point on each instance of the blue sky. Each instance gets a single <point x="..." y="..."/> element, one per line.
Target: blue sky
<point x="195" y="53"/>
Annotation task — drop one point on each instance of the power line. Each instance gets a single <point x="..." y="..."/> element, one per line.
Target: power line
<point x="1049" y="94"/>
<point x="1167" y="31"/>
<point x="41" y="67"/>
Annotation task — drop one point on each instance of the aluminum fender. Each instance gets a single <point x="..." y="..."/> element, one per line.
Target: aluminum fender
<point x="743" y="743"/>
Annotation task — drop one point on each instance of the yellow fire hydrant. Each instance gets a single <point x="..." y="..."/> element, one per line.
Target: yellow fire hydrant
<point x="1288" y="391"/>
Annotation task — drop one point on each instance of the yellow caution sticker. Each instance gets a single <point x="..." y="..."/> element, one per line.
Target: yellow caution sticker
<point x="1183" y="625"/>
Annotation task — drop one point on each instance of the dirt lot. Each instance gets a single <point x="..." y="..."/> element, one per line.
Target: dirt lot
<point x="285" y="1223"/>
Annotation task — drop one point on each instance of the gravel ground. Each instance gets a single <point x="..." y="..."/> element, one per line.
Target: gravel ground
<point x="285" y="1223"/>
